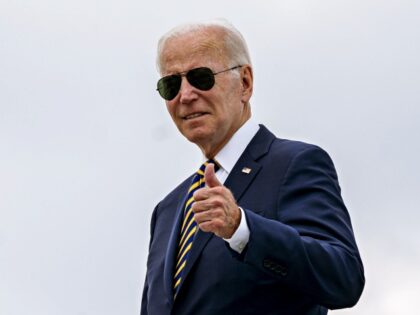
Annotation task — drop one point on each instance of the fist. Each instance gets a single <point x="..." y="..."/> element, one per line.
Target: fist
<point x="215" y="209"/>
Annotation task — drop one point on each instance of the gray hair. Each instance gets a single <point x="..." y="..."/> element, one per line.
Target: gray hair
<point x="234" y="43"/>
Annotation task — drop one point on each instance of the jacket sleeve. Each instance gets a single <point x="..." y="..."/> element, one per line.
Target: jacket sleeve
<point x="310" y="245"/>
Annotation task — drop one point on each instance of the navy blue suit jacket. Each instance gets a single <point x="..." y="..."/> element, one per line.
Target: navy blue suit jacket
<point x="301" y="257"/>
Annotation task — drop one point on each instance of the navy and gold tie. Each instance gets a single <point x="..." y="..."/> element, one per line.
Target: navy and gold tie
<point x="189" y="226"/>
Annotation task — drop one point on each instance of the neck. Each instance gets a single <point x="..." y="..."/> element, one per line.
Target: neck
<point x="210" y="150"/>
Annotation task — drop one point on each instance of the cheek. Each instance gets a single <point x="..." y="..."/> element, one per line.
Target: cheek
<point x="229" y="111"/>
<point x="171" y="109"/>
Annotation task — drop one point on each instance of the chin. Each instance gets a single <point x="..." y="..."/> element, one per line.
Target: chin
<point x="198" y="136"/>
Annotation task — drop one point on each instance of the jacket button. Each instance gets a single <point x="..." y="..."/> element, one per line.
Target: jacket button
<point x="267" y="263"/>
<point x="280" y="270"/>
<point x="274" y="267"/>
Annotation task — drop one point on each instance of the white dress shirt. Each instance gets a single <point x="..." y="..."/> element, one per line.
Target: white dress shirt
<point x="227" y="158"/>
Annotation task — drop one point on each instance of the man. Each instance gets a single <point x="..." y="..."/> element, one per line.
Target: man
<point x="268" y="232"/>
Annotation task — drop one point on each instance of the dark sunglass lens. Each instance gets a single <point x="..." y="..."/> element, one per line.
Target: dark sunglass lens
<point x="168" y="87"/>
<point x="201" y="78"/>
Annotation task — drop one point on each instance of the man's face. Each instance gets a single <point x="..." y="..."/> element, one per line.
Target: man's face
<point x="206" y="118"/>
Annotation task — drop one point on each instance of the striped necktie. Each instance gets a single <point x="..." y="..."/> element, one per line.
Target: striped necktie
<point x="189" y="226"/>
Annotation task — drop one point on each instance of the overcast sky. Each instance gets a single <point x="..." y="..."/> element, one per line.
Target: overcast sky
<point x="87" y="148"/>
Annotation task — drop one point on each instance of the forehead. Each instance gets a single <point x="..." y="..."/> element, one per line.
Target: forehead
<point x="193" y="49"/>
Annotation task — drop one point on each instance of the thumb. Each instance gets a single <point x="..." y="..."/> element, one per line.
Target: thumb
<point x="210" y="176"/>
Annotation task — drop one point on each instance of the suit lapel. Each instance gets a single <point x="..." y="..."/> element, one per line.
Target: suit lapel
<point x="237" y="181"/>
<point x="173" y="246"/>
<point x="247" y="167"/>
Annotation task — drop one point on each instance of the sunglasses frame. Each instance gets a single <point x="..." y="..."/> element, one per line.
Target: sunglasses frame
<point x="188" y="74"/>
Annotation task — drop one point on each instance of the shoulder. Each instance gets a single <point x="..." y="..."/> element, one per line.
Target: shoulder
<point x="266" y="141"/>
<point x="284" y="153"/>
<point x="290" y="150"/>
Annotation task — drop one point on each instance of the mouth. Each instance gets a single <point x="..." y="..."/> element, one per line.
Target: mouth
<point x="193" y="115"/>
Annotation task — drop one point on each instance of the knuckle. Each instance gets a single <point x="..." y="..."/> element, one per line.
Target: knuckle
<point x="196" y="194"/>
<point x="204" y="226"/>
<point x="218" y="224"/>
<point x="218" y="213"/>
<point x="195" y="206"/>
<point x="219" y="190"/>
<point x="218" y="202"/>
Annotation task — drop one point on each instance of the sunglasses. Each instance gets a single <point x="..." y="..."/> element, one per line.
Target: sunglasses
<point x="201" y="78"/>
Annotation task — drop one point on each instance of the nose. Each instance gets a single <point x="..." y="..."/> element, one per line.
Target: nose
<point x="187" y="93"/>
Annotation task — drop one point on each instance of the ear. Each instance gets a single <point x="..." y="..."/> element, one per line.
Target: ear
<point x="247" y="82"/>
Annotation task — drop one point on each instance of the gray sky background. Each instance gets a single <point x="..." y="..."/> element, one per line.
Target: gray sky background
<point x="87" y="148"/>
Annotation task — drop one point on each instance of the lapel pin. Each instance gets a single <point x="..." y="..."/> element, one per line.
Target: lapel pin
<point x="246" y="170"/>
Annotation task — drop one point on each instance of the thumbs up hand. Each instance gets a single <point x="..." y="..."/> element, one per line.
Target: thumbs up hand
<point x="210" y="176"/>
<point x="215" y="209"/>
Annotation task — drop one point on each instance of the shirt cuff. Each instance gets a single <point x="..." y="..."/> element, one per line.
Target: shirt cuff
<point x="240" y="238"/>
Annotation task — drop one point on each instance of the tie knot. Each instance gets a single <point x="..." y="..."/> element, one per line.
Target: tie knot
<point x="203" y="166"/>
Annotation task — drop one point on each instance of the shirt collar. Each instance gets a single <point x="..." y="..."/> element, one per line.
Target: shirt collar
<point x="230" y="153"/>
